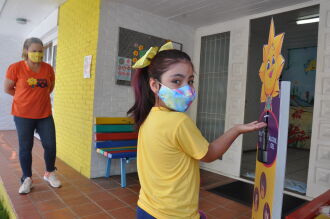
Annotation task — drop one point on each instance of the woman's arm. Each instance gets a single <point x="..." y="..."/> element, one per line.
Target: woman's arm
<point x="220" y="145"/>
<point x="9" y="86"/>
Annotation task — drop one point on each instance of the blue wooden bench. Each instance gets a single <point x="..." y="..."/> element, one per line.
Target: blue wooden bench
<point x="115" y="138"/>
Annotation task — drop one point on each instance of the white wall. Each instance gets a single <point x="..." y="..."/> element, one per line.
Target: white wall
<point x="10" y="52"/>
<point x="47" y="29"/>
<point x="113" y="100"/>
<point x="319" y="162"/>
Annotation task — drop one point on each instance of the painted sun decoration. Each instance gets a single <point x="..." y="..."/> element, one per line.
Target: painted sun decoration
<point x="271" y="67"/>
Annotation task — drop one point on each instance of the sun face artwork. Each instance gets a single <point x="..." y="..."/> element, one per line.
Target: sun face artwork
<point x="269" y="168"/>
<point x="271" y="67"/>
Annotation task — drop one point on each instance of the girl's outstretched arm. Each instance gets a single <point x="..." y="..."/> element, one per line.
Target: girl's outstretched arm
<point x="220" y="145"/>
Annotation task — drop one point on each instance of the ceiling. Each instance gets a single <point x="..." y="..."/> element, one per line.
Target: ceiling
<point x="194" y="13"/>
<point x="33" y="10"/>
<point x="198" y="13"/>
<point x="296" y="36"/>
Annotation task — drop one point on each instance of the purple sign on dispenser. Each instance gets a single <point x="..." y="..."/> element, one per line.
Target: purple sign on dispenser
<point x="268" y="137"/>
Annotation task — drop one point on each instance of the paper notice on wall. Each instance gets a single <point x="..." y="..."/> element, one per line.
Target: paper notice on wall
<point x="124" y="68"/>
<point x="87" y="66"/>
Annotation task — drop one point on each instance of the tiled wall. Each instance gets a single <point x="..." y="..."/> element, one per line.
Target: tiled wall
<point x="319" y="161"/>
<point x="74" y="99"/>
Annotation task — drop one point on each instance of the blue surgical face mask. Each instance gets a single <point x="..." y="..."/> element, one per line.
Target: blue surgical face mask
<point x="177" y="99"/>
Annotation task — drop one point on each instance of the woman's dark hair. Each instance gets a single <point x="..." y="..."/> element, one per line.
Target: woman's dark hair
<point x="144" y="96"/>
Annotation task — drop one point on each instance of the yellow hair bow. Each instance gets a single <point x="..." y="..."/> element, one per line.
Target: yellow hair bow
<point x="150" y="54"/>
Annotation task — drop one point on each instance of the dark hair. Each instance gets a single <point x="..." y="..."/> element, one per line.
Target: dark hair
<point x="144" y="96"/>
<point x="27" y="43"/>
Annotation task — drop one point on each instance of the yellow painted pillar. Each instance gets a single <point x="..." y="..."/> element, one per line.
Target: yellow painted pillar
<point x="74" y="95"/>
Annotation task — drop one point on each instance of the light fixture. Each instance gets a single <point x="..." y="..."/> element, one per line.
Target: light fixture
<point x="308" y="19"/>
<point x="21" y="20"/>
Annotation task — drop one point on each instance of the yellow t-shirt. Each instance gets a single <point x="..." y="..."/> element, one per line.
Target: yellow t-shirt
<point x="169" y="149"/>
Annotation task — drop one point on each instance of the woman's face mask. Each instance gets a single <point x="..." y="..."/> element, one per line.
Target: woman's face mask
<point x="177" y="99"/>
<point x="35" y="56"/>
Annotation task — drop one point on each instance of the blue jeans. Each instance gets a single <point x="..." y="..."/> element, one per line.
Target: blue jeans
<point x="25" y="131"/>
<point x="142" y="214"/>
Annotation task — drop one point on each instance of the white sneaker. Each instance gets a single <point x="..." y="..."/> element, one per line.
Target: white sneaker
<point x="52" y="179"/>
<point x="26" y="186"/>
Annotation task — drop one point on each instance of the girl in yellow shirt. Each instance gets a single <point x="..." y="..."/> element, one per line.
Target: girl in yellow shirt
<point x="170" y="145"/>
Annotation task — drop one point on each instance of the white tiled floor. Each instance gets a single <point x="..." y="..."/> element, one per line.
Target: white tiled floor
<point x="296" y="168"/>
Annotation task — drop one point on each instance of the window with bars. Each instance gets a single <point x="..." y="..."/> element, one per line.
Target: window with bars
<point x="213" y="79"/>
<point x="50" y="51"/>
<point x="50" y="54"/>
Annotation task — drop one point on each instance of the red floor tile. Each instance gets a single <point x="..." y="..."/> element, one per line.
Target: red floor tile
<point x="134" y="188"/>
<point x="98" y="216"/>
<point x="96" y="196"/>
<point x="110" y="204"/>
<point x="121" y="192"/>
<point x="237" y="207"/>
<point x="89" y="188"/>
<point x="244" y="217"/>
<point x="41" y="187"/>
<point x="224" y="213"/>
<point x="109" y="184"/>
<point x="129" y="199"/>
<point x="42" y="196"/>
<point x="86" y="209"/>
<point x="123" y="213"/>
<point x="75" y="200"/>
<point x="216" y="199"/>
<point x="63" y="213"/>
<point x="49" y="205"/>
<point x="206" y="205"/>
<point x="66" y="191"/>
<point x="28" y="212"/>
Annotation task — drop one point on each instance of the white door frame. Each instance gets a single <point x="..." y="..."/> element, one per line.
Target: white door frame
<point x="237" y="70"/>
<point x="236" y="90"/>
<point x="318" y="180"/>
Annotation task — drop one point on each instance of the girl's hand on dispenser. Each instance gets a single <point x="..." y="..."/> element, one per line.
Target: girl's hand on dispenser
<point x="250" y="127"/>
<point x="220" y="145"/>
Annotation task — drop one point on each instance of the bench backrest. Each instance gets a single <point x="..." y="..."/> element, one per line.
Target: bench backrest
<point x="115" y="137"/>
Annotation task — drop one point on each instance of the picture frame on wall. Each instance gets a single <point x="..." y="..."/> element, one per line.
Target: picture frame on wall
<point x="132" y="46"/>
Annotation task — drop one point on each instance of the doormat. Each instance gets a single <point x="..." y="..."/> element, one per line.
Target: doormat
<point x="242" y="192"/>
<point x="290" y="184"/>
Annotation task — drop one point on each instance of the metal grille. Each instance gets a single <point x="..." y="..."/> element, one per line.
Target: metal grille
<point x="213" y="79"/>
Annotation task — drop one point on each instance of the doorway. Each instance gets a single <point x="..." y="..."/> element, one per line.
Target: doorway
<point x="299" y="50"/>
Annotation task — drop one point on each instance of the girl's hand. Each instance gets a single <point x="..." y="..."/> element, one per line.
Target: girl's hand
<point x="250" y="127"/>
<point x="220" y="145"/>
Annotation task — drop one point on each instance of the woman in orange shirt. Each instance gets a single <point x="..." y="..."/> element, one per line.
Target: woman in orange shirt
<point x="30" y="82"/>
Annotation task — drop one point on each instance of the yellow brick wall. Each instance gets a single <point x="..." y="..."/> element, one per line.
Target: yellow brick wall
<point x="74" y="95"/>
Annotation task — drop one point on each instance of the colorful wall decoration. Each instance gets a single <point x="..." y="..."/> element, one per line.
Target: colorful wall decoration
<point x="132" y="46"/>
<point x="301" y="72"/>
